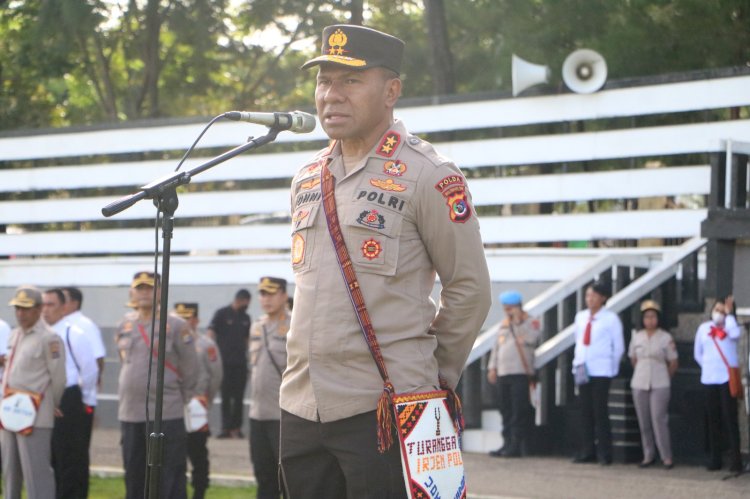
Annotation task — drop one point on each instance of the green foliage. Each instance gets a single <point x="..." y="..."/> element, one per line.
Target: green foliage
<point x="77" y="62"/>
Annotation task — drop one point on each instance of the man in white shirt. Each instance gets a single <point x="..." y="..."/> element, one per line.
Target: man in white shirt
<point x="69" y="447"/>
<point x="598" y="351"/>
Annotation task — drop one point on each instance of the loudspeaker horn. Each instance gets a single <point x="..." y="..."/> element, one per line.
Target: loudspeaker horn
<point x="584" y="71"/>
<point x="527" y="74"/>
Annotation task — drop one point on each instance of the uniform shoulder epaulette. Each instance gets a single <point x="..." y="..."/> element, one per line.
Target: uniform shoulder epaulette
<point x="426" y="149"/>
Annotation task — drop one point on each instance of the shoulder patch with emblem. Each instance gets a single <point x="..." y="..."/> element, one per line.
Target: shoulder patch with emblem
<point x="187" y="337"/>
<point x="54" y="349"/>
<point x="453" y="190"/>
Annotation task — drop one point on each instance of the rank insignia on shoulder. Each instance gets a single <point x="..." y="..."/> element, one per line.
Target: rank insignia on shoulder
<point x="389" y="144"/>
<point x="298" y="249"/>
<point x="387" y="185"/>
<point x="394" y="168"/>
<point x="54" y="349"/>
<point x="372" y="219"/>
<point x="371" y="249"/>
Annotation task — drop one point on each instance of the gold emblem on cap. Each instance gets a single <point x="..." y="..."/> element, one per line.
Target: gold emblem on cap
<point x="337" y="39"/>
<point x="22" y="295"/>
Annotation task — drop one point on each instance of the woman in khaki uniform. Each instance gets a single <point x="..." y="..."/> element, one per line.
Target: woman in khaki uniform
<point x="654" y="356"/>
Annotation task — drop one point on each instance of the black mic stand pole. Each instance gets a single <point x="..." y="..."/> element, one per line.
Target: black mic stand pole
<point x="164" y="194"/>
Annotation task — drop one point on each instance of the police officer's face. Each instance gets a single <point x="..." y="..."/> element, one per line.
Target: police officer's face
<point x="272" y="303"/>
<point x="143" y="296"/>
<point x="52" y="308"/>
<point x="27" y="317"/>
<point x="355" y="104"/>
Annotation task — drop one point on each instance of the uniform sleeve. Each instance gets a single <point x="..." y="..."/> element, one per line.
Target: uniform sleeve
<point x="631" y="347"/>
<point x="732" y="327"/>
<point x="670" y="348"/>
<point x="55" y="357"/>
<point x="97" y="343"/>
<point x="188" y="360"/>
<point x="449" y="229"/>
<point x="216" y="369"/>
<point x="256" y="341"/>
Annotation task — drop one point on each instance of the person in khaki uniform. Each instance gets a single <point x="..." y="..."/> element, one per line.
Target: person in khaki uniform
<point x="36" y="364"/>
<point x="512" y="373"/>
<point x="653" y="354"/>
<point x="267" y="363"/>
<point x="133" y="339"/>
<point x="210" y="373"/>
<point x="406" y="216"/>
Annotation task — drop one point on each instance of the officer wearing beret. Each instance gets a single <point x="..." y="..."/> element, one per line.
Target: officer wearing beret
<point x="210" y="373"/>
<point x="511" y="369"/>
<point x="267" y="363"/>
<point x="598" y="350"/>
<point x="134" y="343"/>
<point x="36" y="365"/>
<point x="405" y="215"/>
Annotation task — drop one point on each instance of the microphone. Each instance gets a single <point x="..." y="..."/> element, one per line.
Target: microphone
<point x="296" y="121"/>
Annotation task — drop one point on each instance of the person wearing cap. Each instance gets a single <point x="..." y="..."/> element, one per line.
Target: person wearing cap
<point x="230" y="328"/>
<point x="36" y="366"/>
<point x="210" y="373"/>
<point x="70" y="452"/>
<point x="134" y="340"/>
<point x="511" y="369"/>
<point x="653" y="353"/>
<point x="405" y="215"/>
<point x="596" y="360"/>
<point x="715" y="351"/>
<point x="267" y="363"/>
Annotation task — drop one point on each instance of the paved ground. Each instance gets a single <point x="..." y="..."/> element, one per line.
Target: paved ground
<point x="487" y="477"/>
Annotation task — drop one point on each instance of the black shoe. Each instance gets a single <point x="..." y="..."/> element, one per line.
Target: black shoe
<point x="224" y="434"/>
<point x="584" y="459"/>
<point x="646" y="464"/>
<point x="512" y="453"/>
<point x="668" y="466"/>
<point x="713" y="467"/>
<point x="605" y="461"/>
<point x="497" y="452"/>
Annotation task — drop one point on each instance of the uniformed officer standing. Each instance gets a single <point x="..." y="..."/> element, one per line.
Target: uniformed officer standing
<point x="267" y="363"/>
<point x="511" y="368"/>
<point x="133" y="339"/>
<point x="405" y="215"/>
<point x="210" y="373"/>
<point x="36" y="365"/>
<point x="69" y="443"/>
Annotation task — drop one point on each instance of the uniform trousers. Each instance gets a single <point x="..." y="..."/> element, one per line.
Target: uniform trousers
<point x="516" y="411"/>
<point x="88" y="418"/>
<point x="721" y="410"/>
<point x="264" y="453"/>
<point x="69" y="447"/>
<point x="134" y="459"/>
<point x="27" y="460"/>
<point x="596" y="431"/>
<point x="339" y="459"/>
<point x="232" y="394"/>
<point x="197" y="452"/>
<point x="652" y="408"/>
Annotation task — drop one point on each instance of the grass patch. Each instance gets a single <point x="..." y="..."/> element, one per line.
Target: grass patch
<point x="114" y="488"/>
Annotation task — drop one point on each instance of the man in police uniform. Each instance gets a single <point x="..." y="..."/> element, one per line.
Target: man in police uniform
<point x="267" y="363"/>
<point x="210" y="373"/>
<point x="518" y="335"/>
<point x="70" y="452"/>
<point x="406" y="215"/>
<point x="36" y="364"/>
<point x="133" y="339"/>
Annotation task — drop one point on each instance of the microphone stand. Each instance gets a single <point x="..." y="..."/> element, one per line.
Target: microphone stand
<point x="164" y="193"/>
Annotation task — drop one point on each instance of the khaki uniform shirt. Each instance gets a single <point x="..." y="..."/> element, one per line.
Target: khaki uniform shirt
<point x="267" y="342"/>
<point x="653" y="356"/>
<point x="210" y="369"/>
<point x="405" y="214"/>
<point x="38" y="365"/>
<point x="504" y="357"/>
<point x="135" y="354"/>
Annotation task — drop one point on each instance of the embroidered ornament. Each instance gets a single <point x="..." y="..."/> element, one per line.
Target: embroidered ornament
<point x="387" y="185"/>
<point x="389" y="144"/>
<point x="371" y="219"/>
<point x="460" y="211"/>
<point x="298" y="249"/>
<point x="313" y="182"/>
<point x="299" y="216"/>
<point x="450" y="180"/>
<point x="371" y="249"/>
<point x="394" y="168"/>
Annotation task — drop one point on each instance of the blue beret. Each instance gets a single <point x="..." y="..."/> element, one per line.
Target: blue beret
<point x="510" y="298"/>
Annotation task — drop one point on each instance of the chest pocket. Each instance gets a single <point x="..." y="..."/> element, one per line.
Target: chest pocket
<point x="372" y="237"/>
<point x="303" y="240"/>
